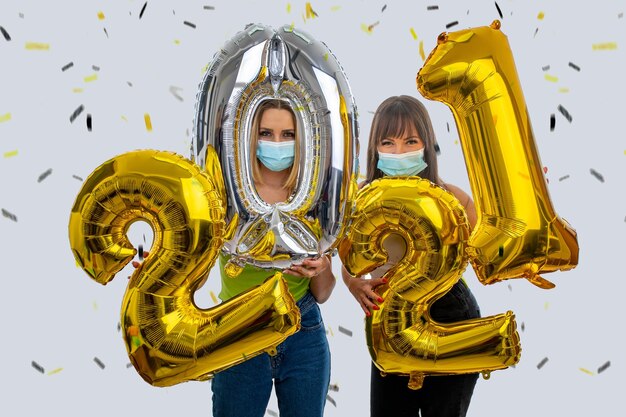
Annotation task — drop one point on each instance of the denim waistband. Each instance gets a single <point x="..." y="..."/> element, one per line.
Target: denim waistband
<point x="306" y="302"/>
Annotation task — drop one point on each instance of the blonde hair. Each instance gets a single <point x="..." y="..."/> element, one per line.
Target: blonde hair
<point x="292" y="179"/>
<point x="393" y="118"/>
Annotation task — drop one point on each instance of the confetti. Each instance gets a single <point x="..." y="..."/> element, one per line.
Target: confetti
<point x="333" y="387"/>
<point x="365" y="28"/>
<point x="384" y="8"/>
<point x="143" y="9"/>
<point x="310" y="13"/>
<point x="563" y="178"/>
<point x="432" y="7"/>
<point x="44" y="175"/>
<point x="547" y="67"/>
<point x="576" y="67"/>
<point x="372" y="26"/>
<point x="345" y="331"/>
<point x="335" y="8"/>
<point x="119" y="326"/>
<point x="540" y="16"/>
<point x="90" y="78"/>
<point x="604" y="367"/>
<point x="5" y="33"/>
<point x="501" y="251"/>
<point x="422" y="54"/>
<point x="37" y="366"/>
<point x="551" y="78"/>
<point x="448" y="126"/>
<point x="146" y="119"/>
<point x="77" y="177"/>
<point x="129" y="83"/>
<point x="604" y="46"/>
<point x="88" y="122"/>
<point x="587" y="371"/>
<point x="105" y="32"/>
<point x="209" y="8"/>
<point x="499" y="11"/>
<point x="563" y="90"/>
<point x="175" y="90"/>
<point x="523" y="326"/>
<point x="413" y="33"/>
<point x="5" y="117"/>
<point x="100" y="16"/>
<point x="552" y="122"/>
<point x="510" y="287"/>
<point x="288" y="7"/>
<point x="55" y="371"/>
<point x="619" y="16"/>
<point x="10" y="154"/>
<point x="98" y="362"/>
<point x="214" y="298"/>
<point x="536" y="30"/>
<point x="331" y="400"/>
<point x="596" y="174"/>
<point x="77" y="90"/>
<point x="67" y="66"/>
<point x="272" y="413"/>
<point x="76" y="113"/>
<point x="546" y="305"/>
<point x="565" y="113"/>
<point x="449" y="25"/>
<point x="140" y="252"/>
<point x="190" y="24"/>
<point x="543" y="362"/>
<point x="129" y="365"/>
<point x="37" y="46"/>
<point x="95" y="68"/>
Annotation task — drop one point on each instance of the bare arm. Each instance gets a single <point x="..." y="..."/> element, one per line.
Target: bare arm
<point x="320" y="272"/>
<point x="363" y="290"/>
<point x="467" y="203"/>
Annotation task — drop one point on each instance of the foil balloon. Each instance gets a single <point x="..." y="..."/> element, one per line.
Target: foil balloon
<point x="260" y="64"/>
<point x="168" y="338"/>
<point x="518" y="232"/>
<point x="402" y="337"/>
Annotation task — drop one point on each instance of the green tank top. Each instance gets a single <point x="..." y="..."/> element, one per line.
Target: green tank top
<point x="252" y="276"/>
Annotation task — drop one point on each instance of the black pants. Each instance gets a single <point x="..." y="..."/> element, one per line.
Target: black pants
<point x="440" y="396"/>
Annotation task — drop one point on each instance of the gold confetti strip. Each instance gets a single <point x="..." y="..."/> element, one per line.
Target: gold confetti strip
<point x="335" y="8"/>
<point x="288" y="7"/>
<point x="540" y="16"/>
<point x="413" y="33"/>
<point x="422" y="51"/>
<point x="77" y="90"/>
<point x="310" y="13"/>
<point x="10" y="154"/>
<point x="55" y="371"/>
<point x="90" y="78"/>
<point x="330" y="330"/>
<point x="604" y="46"/>
<point x="587" y="371"/>
<point x="546" y="305"/>
<point x="373" y="25"/>
<point x="95" y="305"/>
<point x="37" y="46"/>
<point x="551" y="78"/>
<point x="146" y="119"/>
<point x="326" y="56"/>
<point x="100" y="16"/>
<point x="214" y="298"/>
<point x="124" y="118"/>
<point x="206" y="67"/>
<point x="365" y="28"/>
<point x="177" y="42"/>
<point x="563" y="90"/>
<point x="5" y="117"/>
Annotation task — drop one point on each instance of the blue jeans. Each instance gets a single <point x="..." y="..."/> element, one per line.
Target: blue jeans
<point x="440" y="396"/>
<point x="300" y="370"/>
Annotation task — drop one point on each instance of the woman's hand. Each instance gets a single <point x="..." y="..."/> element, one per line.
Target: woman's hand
<point x="309" y="268"/>
<point x="363" y="290"/>
<point x="320" y="272"/>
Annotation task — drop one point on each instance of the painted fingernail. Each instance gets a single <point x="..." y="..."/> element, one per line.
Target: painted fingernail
<point x="368" y="314"/>
<point x="376" y="308"/>
<point x="385" y="280"/>
<point x="380" y="300"/>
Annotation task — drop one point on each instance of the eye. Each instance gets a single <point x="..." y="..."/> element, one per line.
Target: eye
<point x="386" y="142"/>
<point x="289" y="134"/>
<point x="413" y="141"/>
<point x="265" y="133"/>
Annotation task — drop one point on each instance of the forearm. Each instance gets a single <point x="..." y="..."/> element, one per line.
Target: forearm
<point x="322" y="285"/>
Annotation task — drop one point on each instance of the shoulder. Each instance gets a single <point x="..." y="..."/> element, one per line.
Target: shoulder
<point x="461" y="195"/>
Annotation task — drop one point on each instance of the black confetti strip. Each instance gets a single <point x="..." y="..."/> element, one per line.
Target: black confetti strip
<point x="143" y="9"/>
<point x="510" y="287"/>
<point x="21" y="15"/>
<point x="44" y="175"/>
<point x="144" y="238"/>
<point x="175" y="92"/>
<point x="67" y="66"/>
<point x="98" y="362"/>
<point x="119" y="326"/>
<point x="384" y="8"/>
<point x="543" y="362"/>
<point x="76" y="113"/>
<point x="536" y="30"/>
<point x="95" y="68"/>
<point x="576" y="67"/>
<point x="603" y="367"/>
<point x="546" y="68"/>
<point x="5" y="33"/>
<point x="77" y="177"/>
<point x="189" y="24"/>
<point x="596" y="174"/>
<point x="345" y="331"/>
<point x="272" y="413"/>
<point x="105" y="32"/>
<point x="333" y="387"/>
<point x="501" y="251"/>
<point x="565" y="113"/>
<point x="88" y="122"/>
<point x="449" y="25"/>
<point x="563" y="178"/>
<point x="9" y="215"/>
<point x="448" y="126"/>
<point x="499" y="11"/>
<point x="129" y="365"/>
<point x="523" y="326"/>
<point x="331" y="400"/>
<point x="437" y="149"/>
<point x="432" y="7"/>
<point x="209" y="7"/>
<point x="37" y="367"/>
<point x="552" y="122"/>
<point x="140" y="251"/>
<point x="620" y="15"/>
<point x="129" y="83"/>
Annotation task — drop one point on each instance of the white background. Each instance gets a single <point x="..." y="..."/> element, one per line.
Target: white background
<point x="53" y="314"/>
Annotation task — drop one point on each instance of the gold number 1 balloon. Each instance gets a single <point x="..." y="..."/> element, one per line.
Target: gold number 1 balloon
<point x="401" y="336"/>
<point x="518" y="232"/>
<point x="168" y="338"/>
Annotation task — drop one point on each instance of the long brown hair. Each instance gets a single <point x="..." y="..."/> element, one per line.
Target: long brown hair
<point x="392" y="119"/>
<point x="254" y="138"/>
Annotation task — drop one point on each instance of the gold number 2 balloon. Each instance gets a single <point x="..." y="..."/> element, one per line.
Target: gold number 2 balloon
<point x="168" y="338"/>
<point x="518" y="232"/>
<point x="401" y="336"/>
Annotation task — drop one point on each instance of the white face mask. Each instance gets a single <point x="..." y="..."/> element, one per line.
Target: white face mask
<point x="403" y="164"/>
<point x="276" y="156"/>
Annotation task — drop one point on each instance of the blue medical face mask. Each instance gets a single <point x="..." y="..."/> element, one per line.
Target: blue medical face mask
<point x="403" y="164"/>
<point x="276" y="156"/>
